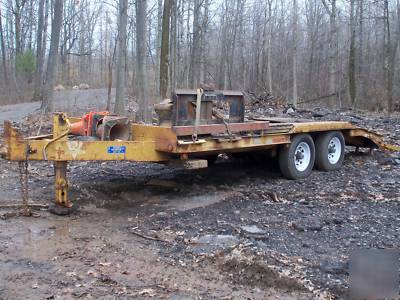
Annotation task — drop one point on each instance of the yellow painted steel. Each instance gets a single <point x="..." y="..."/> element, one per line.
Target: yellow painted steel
<point x="96" y="151"/>
<point x="60" y="148"/>
<point x="61" y="184"/>
<point x="308" y="127"/>
<point x="240" y="145"/>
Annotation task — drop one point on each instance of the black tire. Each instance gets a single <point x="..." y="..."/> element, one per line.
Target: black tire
<point x="323" y="150"/>
<point x="287" y="161"/>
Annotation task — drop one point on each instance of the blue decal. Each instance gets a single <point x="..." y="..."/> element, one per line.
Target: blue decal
<point x="116" y="150"/>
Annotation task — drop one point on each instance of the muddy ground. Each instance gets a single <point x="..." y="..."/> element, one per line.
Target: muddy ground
<point x="237" y="230"/>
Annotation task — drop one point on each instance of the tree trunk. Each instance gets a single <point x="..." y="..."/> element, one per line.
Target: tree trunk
<point x="82" y="31"/>
<point x="295" y="92"/>
<point x="119" y="108"/>
<point x="333" y="48"/>
<point x="352" y="57"/>
<point x="39" y="53"/>
<point x="361" y="75"/>
<point x="269" y="51"/>
<point x="164" y="60"/>
<point x="174" y="46"/>
<point x="391" y="46"/>
<point x="194" y="56"/>
<point x="47" y="102"/>
<point x="158" y="43"/>
<point x="3" y="52"/>
<point x="141" y="54"/>
<point x="204" y="42"/>
<point x="17" y="17"/>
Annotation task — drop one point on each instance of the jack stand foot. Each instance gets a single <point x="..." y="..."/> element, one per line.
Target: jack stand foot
<point x="59" y="210"/>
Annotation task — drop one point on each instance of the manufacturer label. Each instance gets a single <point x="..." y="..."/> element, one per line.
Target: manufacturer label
<point x="116" y="150"/>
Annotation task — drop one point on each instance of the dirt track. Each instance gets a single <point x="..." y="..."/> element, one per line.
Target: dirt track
<point x="236" y="230"/>
<point x="68" y="100"/>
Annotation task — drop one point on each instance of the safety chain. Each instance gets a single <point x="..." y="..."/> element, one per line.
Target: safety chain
<point x="23" y="178"/>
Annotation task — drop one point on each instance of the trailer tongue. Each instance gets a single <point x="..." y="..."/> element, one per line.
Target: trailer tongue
<point x="194" y="128"/>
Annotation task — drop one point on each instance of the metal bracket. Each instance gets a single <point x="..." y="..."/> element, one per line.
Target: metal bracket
<point x="198" y="114"/>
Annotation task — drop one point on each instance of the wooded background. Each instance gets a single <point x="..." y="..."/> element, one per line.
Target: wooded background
<point x="341" y="53"/>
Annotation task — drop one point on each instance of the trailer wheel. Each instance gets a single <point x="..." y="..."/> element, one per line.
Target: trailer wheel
<point x="330" y="148"/>
<point x="296" y="160"/>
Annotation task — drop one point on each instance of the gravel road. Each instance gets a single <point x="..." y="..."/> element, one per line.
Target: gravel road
<point x="68" y="100"/>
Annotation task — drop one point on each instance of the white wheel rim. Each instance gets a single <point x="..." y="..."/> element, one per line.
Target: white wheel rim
<point x="302" y="157"/>
<point x="334" y="150"/>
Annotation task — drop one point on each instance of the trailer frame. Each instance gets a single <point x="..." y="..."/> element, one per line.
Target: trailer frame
<point x="169" y="144"/>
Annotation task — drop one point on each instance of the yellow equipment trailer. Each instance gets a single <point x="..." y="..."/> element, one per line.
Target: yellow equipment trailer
<point x="192" y="135"/>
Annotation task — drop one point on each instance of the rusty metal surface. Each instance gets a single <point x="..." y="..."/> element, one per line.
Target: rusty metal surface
<point x="321" y="126"/>
<point x="221" y="128"/>
<point x="61" y="184"/>
<point x="112" y="128"/>
<point x="219" y="145"/>
<point x="365" y="138"/>
<point x="184" y="108"/>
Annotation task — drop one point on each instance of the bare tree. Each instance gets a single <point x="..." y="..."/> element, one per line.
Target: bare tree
<point x="331" y="9"/>
<point x="141" y="56"/>
<point x="121" y="58"/>
<point x="195" y="48"/>
<point x="391" y="46"/>
<point x="352" y="56"/>
<point x="295" y="92"/>
<point x="158" y="43"/>
<point x="3" y="51"/>
<point x="269" y="51"/>
<point x="18" y="7"/>
<point x="47" y="102"/>
<point x="164" y="64"/>
<point x="39" y="53"/>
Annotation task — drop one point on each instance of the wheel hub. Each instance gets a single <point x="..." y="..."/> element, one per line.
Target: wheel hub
<point x="302" y="157"/>
<point x="334" y="150"/>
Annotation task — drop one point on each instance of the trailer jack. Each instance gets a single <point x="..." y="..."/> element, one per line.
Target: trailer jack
<point x="61" y="184"/>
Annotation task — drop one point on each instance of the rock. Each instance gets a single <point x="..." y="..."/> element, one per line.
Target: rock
<point x="289" y="111"/>
<point x="84" y="86"/>
<point x="253" y="229"/>
<point x="59" y="88"/>
<point x="337" y="221"/>
<point x="333" y="267"/>
<point x="211" y="243"/>
<point x="308" y="224"/>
